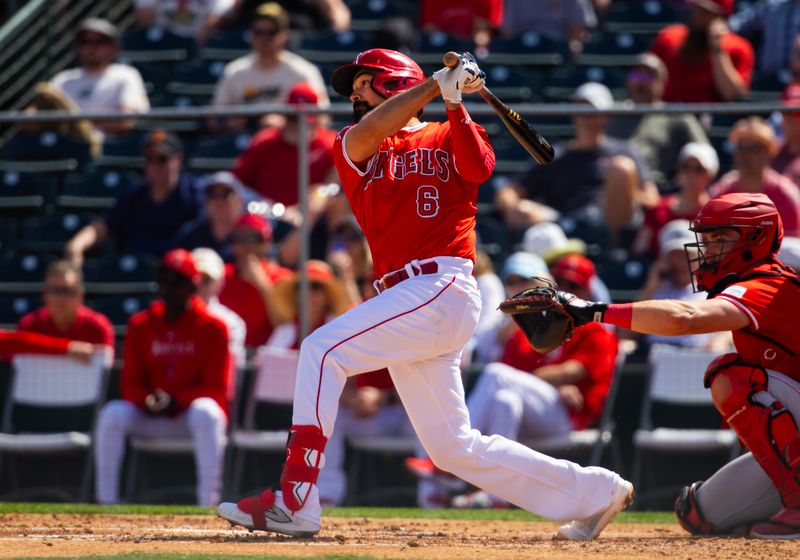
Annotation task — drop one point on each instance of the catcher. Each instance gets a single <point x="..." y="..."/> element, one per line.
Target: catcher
<point x="756" y="389"/>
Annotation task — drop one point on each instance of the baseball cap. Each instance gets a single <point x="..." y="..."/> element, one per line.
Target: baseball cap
<point x="704" y="153"/>
<point x="275" y="12"/>
<point x="674" y="235"/>
<point x="256" y="223"/>
<point x="652" y="62"/>
<point x="302" y="93"/>
<point x="98" y="25"/>
<point x="574" y="268"/>
<point x="595" y="94"/>
<point x="182" y="262"/>
<point x="163" y="142"/>
<point x="756" y="129"/>
<point x="721" y="7"/>
<point x="208" y="262"/>
<point x="525" y="265"/>
<point x="227" y="179"/>
<point x="547" y="240"/>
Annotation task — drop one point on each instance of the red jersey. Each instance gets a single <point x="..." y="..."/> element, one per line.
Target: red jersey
<point x="269" y="165"/>
<point x="457" y="17"/>
<point x="692" y="82"/>
<point x="89" y="326"/>
<point x="187" y="358"/>
<point x="772" y="302"/>
<point x="593" y="345"/>
<point x="244" y="300"/>
<point x="411" y="198"/>
<point x="30" y="343"/>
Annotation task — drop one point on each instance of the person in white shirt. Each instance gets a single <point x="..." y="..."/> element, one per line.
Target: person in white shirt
<point x="100" y="84"/>
<point x="188" y="18"/>
<point x="268" y="73"/>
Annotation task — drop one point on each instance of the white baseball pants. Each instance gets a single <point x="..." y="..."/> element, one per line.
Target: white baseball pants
<point x="204" y="421"/>
<point x="417" y="329"/>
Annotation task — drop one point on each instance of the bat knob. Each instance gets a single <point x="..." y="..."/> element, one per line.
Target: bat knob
<point x="451" y="59"/>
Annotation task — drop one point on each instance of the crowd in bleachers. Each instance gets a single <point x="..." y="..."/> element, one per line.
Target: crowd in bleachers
<point x="608" y="216"/>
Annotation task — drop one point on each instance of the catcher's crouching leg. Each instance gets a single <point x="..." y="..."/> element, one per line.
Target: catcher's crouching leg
<point x="688" y="512"/>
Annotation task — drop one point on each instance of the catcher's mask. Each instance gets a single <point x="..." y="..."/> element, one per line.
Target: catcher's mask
<point x="718" y="257"/>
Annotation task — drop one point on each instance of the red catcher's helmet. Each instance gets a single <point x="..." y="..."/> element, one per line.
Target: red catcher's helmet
<point x="756" y="219"/>
<point x="394" y="72"/>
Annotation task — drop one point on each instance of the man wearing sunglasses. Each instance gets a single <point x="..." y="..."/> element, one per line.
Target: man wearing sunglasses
<point x="100" y="84"/>
<point x="175" y="382"/>
<point x="147" y="218"/>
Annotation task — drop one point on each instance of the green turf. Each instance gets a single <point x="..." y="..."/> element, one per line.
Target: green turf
<point x="378" y="513"/>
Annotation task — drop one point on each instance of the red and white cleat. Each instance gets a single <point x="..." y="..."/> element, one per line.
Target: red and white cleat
<point x="587" y="529"/>
<point x="783" y="526"/>
<point x="267" y="512"/>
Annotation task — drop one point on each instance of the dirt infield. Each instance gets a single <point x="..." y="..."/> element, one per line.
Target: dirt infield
<point x="33" y="535"/>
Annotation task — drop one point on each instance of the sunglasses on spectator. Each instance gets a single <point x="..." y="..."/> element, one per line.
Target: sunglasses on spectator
<point x="641" y="76"/>
<point x="62" y="290"/>
<point x="161" y="160"/>
<point x="219" y="194"/>
<point x="94" y="41"/>
<point x="264" y="32"/>
<point x="171" y="278"/>
<point x="693" y="168"/>
<point x="247" y="237"/>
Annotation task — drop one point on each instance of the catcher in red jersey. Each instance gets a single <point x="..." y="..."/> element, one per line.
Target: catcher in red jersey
<point x="413" y="185"/>
<point x="756" y="389"/>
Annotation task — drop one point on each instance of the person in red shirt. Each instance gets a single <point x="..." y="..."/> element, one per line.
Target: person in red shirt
<point x="14" y="342"/>
<point x="473" y="20"/>
<point x="249" y="280"/>
<point x="413" y="189"/>
<point x="63" y="314"/>
<point x="174" y="383"/>
<point x="269" y="164"/>
<point x="705" y="61"/>
<point x="756" y="389"/>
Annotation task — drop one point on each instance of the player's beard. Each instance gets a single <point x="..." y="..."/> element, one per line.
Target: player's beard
<point x="361" y="108"/>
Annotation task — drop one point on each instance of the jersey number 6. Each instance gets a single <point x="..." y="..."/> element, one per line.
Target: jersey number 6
<point x="427" y="201"/>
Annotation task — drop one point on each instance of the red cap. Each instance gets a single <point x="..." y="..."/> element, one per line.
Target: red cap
<point x="722" y="7"/>
<point x="574" y="268"/>
<point x="256" y="223"/>
<point x="182" y="262"/>
<point x="302" y="93"/>
<point x="319" y="271"/>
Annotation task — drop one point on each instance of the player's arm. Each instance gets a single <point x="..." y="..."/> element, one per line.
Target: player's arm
<point x="474" y="157"/>
<point x="363" y="139"/>
<point x="569" y="372"/>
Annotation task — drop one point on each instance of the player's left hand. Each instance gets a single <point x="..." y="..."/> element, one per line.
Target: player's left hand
<point x="467" y="77"/>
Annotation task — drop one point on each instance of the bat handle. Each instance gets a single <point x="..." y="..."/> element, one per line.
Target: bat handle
<point x="450" y="59"/>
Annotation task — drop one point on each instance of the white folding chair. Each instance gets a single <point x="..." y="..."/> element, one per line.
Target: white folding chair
<point x="273" y="384"/>
<point x="676" y="384"/>
<point x="51" y="409"/>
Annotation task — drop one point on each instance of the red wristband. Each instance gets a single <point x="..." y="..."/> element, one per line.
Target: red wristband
<point x="619" y="314"/>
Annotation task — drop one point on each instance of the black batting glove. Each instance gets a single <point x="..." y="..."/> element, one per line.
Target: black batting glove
<point x="581" y="311"/>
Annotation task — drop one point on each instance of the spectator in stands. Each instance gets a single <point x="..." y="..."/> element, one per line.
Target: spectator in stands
<point x="49" y="97"/>
<point x="147" y="218"/>
<point x="483" y="347"/>
<point x="787" y="160"/>
<point x="250" y="279"/>
<point x="568" y="20"/>
<point x="304" y="15"/>
<point x="224" y="204"/>
<point x="596" y="181"/>
<point x="351" y="260"/>
<point x="268" y="73"/>
<point x="212" y="276"/>
<point x="527" y="395"/>
<point x="705" y="61"/>
<point x="63" y="314"/>
<point x="754" y="146"/>
<point x="174" y="383"/>
<point x="269" y="165"/>
<point x="656" y="136"/>
<point x="100" y="84"/>
<point x="772" y="26"/>
<point x="698" y="165"/>
<point x="474" y="20"/>
<point x="189" y="18"/>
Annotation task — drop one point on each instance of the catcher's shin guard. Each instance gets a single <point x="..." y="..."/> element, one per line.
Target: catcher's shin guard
<point x="688" y="512"/>
<point x="767" y="428"/>
<point x="304" y="459"/>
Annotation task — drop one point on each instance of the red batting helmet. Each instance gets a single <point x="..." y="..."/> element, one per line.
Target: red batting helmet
<point x="394" y="72"/>
<point x="756" y="219"/>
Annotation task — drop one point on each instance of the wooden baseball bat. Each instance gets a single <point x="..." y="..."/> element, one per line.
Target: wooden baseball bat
<point x="535" y="144"/>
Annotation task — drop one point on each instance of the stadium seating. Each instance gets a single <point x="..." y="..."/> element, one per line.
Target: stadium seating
<point x="121" y="275"/>
<point x="612" y="49"/>
<point x="97" y="190"/>
<point x="24" y="193"/>
<point x="156" y="44"/>
<point x="531" y="49"/>
<point x="50" y="234"/>
<point x="368" y="15"/>
<point x="328" y="46"/>
<point x="217" y="152"/>
<point x="227" y="45"/>
<point x="12" y="308"/>
<point x="562" y="81"/>
<point x="22" y="273"/>
<point x="196" y="77"/>
<point x="56" y="152"/>
<point x="643" y="16"/>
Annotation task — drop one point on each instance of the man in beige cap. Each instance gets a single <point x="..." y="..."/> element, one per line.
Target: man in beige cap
<point x="657" y="137"/>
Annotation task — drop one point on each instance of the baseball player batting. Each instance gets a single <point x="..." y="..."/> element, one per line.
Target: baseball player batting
<point x="413" y="189"/>
<point x="756" y="389"/>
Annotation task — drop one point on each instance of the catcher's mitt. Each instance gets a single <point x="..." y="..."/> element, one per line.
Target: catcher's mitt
<point x="541" y="315"/>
